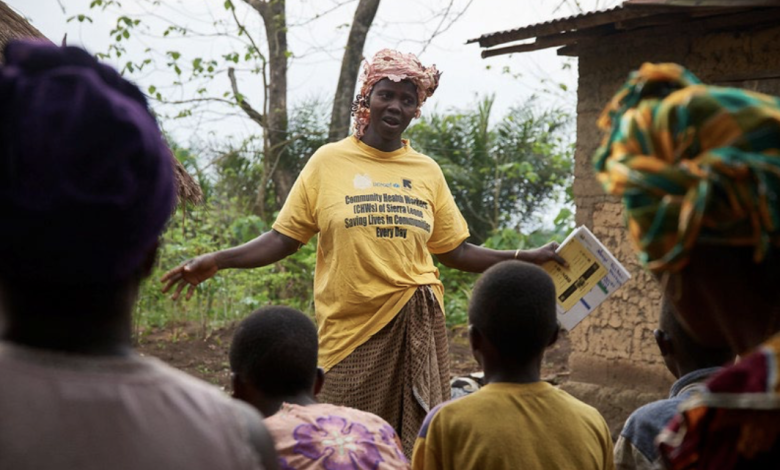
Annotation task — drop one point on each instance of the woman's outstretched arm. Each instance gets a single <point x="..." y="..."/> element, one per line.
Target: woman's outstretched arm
<point x="268" y="248"/>
<point x="476" y="259"/>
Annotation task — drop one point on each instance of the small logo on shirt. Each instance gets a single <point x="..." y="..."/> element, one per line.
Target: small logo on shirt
<point x="407" y="184"/>
<point x="386" y="185"/>
<point x="362" y="181"/>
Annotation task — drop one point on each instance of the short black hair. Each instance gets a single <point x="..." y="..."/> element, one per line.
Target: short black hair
<point x="701" y="356"/>
<point x="513" y="305"/>
<point x="275" y="350"/>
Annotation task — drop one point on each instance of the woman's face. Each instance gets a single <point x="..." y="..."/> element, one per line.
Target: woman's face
<point x="392" y="106"/>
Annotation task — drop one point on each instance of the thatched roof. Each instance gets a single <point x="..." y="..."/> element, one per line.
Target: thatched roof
<point x="188" y="189"/>
<point x="14" y="26"/>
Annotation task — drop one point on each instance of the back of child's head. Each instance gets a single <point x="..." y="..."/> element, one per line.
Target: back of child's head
<point x="275" y="350"/>
<point x="513" y="306"/>
<point x="685" y="347"/>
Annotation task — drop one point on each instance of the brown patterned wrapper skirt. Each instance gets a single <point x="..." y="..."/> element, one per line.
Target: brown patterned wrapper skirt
<point x="401" y="372"/>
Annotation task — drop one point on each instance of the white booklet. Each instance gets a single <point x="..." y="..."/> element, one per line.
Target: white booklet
<point x="592" y="276"/>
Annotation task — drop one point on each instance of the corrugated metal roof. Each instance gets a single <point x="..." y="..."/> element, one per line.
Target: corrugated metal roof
<point x="707" y="3"/>
<point x="569" y="23"/>
<point x="628" y="10"/>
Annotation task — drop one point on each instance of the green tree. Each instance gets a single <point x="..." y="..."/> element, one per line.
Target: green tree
<point x="501" y="175"/>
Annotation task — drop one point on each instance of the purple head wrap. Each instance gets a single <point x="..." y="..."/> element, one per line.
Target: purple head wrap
<point x="86" y="184"/>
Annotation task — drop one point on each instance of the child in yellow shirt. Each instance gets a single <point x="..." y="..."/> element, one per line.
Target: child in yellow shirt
<point x="516" y="420"/>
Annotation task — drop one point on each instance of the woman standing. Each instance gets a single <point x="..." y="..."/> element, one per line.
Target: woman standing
<point x="380" y="209"/>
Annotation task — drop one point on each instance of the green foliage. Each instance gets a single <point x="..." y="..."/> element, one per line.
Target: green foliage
<point x="229" y="186"/>
<point x="231" y="295"/>
<point x="500" y="175"/>
<point x="238" y="172"/>
<point x="308" y="130"/>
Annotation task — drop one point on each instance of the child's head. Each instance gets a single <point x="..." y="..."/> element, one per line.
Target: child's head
<point x="273" y="357"/>
<point x="513" y="309"/>
<point x="680" y="352"/>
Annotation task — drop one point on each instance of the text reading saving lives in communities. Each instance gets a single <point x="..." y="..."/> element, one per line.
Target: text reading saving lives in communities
<point x="387" y="209"/>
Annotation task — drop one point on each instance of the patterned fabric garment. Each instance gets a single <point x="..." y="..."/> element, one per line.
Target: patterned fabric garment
<point x="736" y="424"/>
<point x="693" y="163"/>
<point x="333" y="437"/>
<point x="399" y="374"/>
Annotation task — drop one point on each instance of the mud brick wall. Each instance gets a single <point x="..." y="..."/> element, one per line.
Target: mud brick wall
<point x="614" y="361"/>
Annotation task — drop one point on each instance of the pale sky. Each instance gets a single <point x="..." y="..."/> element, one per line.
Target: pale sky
<point x="317" y="46"/>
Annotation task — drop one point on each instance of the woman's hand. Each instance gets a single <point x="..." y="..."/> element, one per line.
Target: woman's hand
<point x="542" y="255"/>
<point x="268" y="248"/>
<point x="192" y="273"/>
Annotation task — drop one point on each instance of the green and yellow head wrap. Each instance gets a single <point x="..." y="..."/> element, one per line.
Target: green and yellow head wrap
<point x="693" y="164"/>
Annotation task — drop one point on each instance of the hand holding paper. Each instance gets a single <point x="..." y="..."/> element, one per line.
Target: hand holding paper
<point x="593" y="275"/>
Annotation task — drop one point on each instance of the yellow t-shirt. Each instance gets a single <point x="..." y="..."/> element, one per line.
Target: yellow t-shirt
<point x="379" y="216"/>
<point x="506" y="426"/>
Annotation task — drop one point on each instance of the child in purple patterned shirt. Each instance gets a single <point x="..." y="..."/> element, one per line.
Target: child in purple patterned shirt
<point x="273" y="358"/>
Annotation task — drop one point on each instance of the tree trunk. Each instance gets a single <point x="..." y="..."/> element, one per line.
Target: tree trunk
<point x="275" y="22"/>
<point x="13" y="26"/>
<point x="277" y="162"/>
<point x="350" y="64"/>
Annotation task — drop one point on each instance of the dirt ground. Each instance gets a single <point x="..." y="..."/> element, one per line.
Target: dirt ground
<point x="204" y="354"/>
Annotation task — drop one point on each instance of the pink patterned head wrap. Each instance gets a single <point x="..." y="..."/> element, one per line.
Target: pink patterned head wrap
<point x="395" y="66"/>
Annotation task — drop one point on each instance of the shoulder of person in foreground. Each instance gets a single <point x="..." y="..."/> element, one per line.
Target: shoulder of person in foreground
<point x="252" y="430"/>
<point x="591" y="419"/>
<point x="635" y="447"/>
<point x="427" y="455"/>
<point x="587" y="413"/>
<point x="687" y="360"/>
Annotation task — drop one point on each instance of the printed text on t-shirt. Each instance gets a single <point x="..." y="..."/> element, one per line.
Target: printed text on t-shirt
<point x="387" y="209"/>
